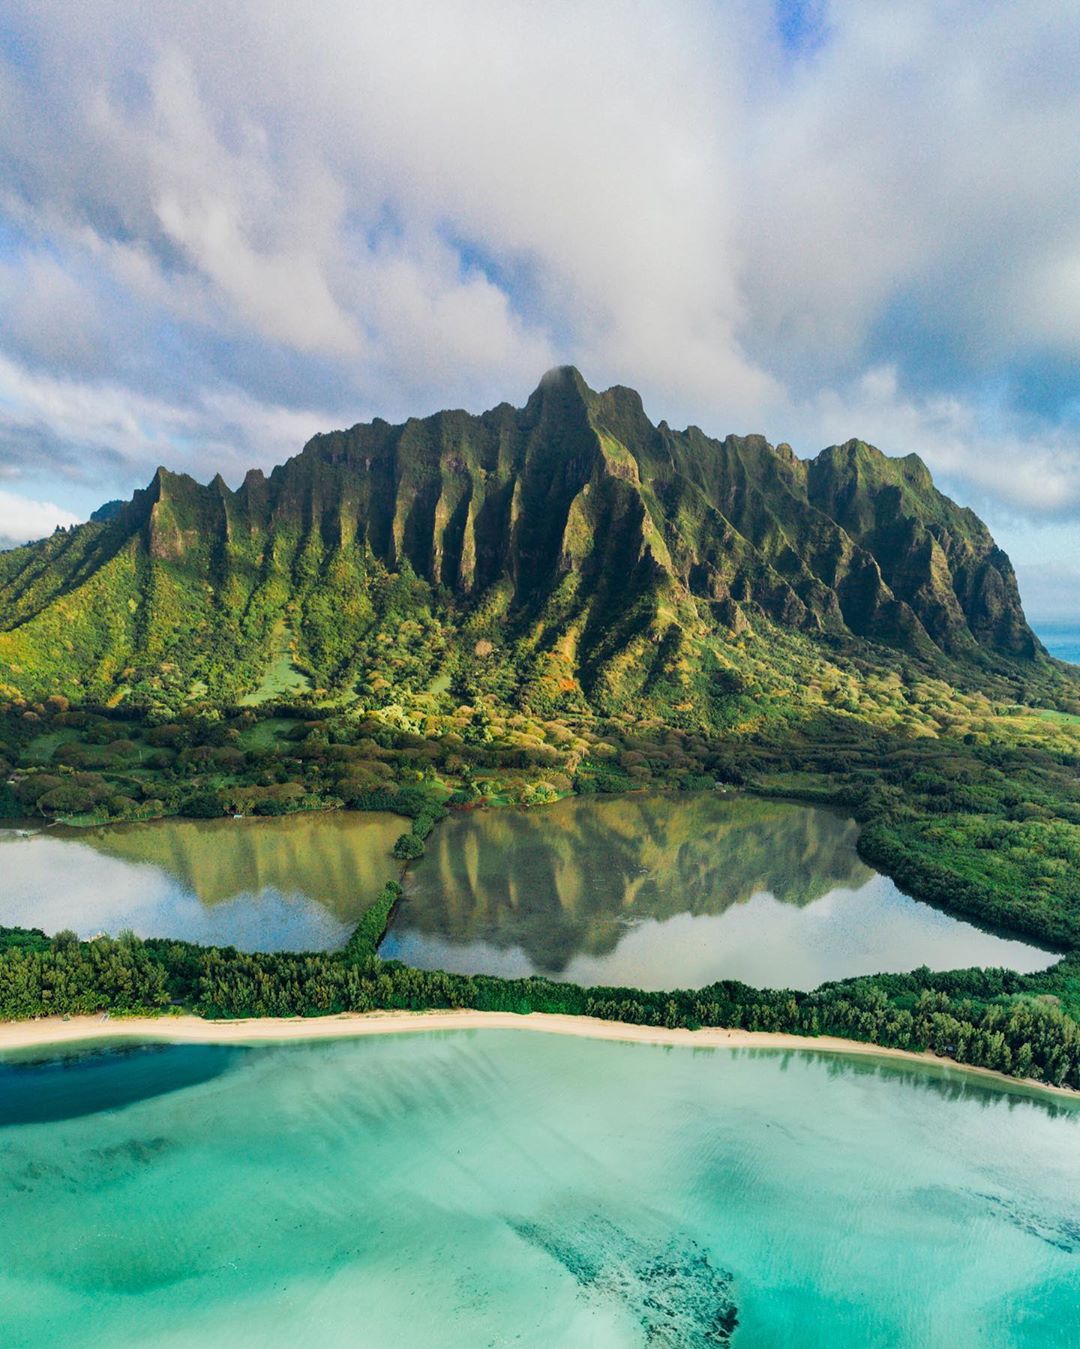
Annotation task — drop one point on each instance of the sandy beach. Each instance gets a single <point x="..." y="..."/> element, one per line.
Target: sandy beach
<point x="57" y="1031"/>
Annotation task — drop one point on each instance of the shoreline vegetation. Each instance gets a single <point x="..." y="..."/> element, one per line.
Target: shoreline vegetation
<point x="55" y="1032"/>
<point x="994" y="1019"/>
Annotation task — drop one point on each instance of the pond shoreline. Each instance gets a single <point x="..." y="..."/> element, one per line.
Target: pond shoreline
<point x="55" y="1032"/>
<point x="631" y="890"/>
<point x="746" y="869"/>
<point x="824" y="801"/>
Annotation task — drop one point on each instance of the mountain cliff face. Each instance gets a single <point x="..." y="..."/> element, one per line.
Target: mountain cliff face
<point x="569" y="544"/>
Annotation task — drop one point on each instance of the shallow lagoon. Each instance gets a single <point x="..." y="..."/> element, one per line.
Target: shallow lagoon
<point x="651" y="891"/>
<point x="497" y="1187"/>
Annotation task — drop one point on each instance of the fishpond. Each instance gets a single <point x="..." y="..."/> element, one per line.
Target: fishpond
<point x="504" y="1187"/>
<point x="297" y="883"/>
<point x="672" y="891"/>
<point x="649" y="891"/>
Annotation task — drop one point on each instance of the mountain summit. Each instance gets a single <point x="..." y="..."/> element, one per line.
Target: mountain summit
<point x="568" y="551"/>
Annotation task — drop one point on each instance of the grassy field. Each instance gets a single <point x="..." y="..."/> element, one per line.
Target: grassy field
<point x="281" y="679"/>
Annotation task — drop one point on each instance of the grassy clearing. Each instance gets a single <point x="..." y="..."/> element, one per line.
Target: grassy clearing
<point x="41" y="749"/>
<point x="281" y="678"/>
<point x="267" y="733"/>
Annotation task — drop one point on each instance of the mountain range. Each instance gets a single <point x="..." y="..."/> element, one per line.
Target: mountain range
<point x="568" y="553"/>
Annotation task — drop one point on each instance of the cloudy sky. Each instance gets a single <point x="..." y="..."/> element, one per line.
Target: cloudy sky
<point x="226" y="227"/>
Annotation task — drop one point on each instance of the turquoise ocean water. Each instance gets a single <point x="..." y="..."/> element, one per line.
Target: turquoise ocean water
<point x="1061" y="640"/>
<point x="500" y="1188"/>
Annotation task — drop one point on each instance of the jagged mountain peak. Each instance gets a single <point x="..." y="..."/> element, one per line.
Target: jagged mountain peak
<point x="573" y="527"/>
<point x="567" y="377"/>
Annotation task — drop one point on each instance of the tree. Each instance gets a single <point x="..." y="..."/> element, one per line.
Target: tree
<point x="408" y="847"/>
<point x="202" y="806"/>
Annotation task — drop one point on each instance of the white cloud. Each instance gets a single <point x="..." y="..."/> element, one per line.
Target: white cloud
<point x="100" y="423"/>
<point x="49" y="312"/>
<point x="930" y="151"/>
<point x="395" y="207"/>
<point x="1037" y="473"/>
<point x="237" y="226"/>
<point x="22" y="519"/>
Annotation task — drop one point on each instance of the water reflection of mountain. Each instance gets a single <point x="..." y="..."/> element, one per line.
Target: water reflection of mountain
<point x="339" y="860"/>
<point x="568" y="878"/>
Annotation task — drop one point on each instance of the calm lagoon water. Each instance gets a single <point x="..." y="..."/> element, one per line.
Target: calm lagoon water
<point x="498" y="1187"/>
<point x="666" y="891"/>
<point x="654" y="891"/>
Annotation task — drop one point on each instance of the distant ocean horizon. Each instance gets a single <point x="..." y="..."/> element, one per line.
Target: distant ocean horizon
<point x="1060" y="639"/>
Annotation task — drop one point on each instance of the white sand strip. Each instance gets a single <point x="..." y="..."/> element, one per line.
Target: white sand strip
<point x="55" y="1031"/>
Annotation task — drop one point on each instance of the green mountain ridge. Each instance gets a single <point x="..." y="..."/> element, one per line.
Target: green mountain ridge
<point x="568" y="555"/>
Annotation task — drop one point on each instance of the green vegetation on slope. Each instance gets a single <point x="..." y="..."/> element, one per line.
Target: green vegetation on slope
<point x="567" y="557"/>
